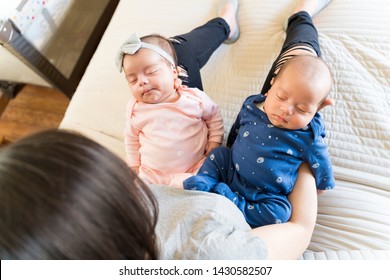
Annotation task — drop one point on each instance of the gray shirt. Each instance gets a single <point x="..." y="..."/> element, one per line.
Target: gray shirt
<point x="200" y="225"/>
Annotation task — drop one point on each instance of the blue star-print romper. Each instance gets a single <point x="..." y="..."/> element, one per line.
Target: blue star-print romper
<point x="261" y="168"/>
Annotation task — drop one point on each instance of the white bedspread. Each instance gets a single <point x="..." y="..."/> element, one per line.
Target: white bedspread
<point x="354" y="218"/>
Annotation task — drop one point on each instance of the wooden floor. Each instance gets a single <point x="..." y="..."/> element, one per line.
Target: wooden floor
<point x="33" y="109"/>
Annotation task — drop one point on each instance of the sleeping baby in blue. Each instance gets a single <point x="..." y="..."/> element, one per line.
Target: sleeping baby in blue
<point x="261" y="167"/>
<point x="274" y="133"/>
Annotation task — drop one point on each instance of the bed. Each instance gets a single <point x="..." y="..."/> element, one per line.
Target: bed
<point x="353" y="219"/>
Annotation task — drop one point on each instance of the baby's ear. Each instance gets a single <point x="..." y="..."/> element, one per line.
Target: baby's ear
<point x="177" y="83"/>
<point x="326" y="102"/>
<point x="175" y="71"/>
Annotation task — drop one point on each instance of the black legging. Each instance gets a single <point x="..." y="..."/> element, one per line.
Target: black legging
<point x="196" y="47"/>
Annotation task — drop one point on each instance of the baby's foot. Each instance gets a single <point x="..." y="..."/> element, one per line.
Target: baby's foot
<point x="200" y="182"/>
<point x="228" y="11"/>
<point x="312" y="7"/>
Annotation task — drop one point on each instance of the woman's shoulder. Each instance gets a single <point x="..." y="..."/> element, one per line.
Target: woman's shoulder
<point x="209" y="226"/>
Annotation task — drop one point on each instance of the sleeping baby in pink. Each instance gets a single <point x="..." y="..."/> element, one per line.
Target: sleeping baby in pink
<point x="170" y="128"/>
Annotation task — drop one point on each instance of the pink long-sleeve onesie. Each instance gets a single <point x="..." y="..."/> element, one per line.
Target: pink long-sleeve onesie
<point x="167" y="141"/>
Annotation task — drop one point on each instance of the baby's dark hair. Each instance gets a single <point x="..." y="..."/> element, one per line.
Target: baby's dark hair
<point x="64" y="196"/>
<point x="163" y="43"/>
<point x="314" y="65"/>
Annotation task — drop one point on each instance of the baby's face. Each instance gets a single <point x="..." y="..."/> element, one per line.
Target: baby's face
<point x="293" y="100"/>
<point x="150" y="78"/>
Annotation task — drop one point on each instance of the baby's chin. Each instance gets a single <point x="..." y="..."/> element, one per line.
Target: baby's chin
<point x="286" y="126"/>
<point x="277" y="123"/>
<point x="151" y="97"/>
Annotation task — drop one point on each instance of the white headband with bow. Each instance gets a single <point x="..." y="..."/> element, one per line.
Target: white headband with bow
<point x="133" y="44"/>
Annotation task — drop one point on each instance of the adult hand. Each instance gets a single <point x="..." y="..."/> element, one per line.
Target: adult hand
<point x="210" y="146"/>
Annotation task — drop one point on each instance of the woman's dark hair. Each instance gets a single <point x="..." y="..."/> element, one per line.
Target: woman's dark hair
<point x="64" y="196"/>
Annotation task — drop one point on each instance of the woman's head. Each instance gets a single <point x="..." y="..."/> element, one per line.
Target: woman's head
<point x="64" y="196"/>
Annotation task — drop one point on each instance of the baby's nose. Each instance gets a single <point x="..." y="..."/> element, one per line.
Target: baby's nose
<point x="143" y="80"/>
<point x="288" y="109"/>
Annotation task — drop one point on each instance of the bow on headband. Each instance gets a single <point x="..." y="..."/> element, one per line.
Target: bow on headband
<point x="133" y="44"/>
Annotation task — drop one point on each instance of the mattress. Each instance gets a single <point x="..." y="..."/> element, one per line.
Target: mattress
<point x="354" y="218"/>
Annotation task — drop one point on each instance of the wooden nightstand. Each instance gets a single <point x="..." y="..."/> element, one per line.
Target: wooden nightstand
<point x="3" y="102"/>
<point x="58" y="41"/>
<point x="3" y="141"/>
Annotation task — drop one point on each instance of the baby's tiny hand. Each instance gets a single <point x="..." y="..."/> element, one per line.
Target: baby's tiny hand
<point x="135" y="169"/>
<point x="210" y="146"/>
<point x="319" y="192"/>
